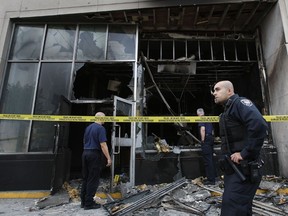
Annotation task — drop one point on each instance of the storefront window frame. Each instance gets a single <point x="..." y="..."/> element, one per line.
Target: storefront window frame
<point x="73" y="61"/>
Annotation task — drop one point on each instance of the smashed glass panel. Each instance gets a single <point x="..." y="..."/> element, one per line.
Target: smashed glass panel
<point x="91" y="42"/>
<point x="26" y="44"/>
<point x="59" y="42"/>
<point x="123" y="108"/>
<point x="121" y="42"/>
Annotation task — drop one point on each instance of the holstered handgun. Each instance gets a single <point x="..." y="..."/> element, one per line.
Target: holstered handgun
<point x="255" y="170"/>
<point x="245" y="167"/>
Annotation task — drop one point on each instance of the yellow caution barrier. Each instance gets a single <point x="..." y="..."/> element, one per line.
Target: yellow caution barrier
<point x="145" y="119"/>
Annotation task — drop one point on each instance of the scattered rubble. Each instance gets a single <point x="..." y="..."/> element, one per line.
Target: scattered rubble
<point x="182" y="197"/>
<point x="161" y="144"/>
<point x="122" y="207"/>
<point x="60" y="198"/>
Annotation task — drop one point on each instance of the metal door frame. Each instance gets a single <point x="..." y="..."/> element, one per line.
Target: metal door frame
<point x="117" y="142"/>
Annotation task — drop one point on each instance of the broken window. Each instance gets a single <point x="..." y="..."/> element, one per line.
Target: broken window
<point x="102" y="81"/>
<point x="26" y="42"/>
<point x="121" y="42"/>
<point x="92" y="42"/>
<point x="59" y="42"/>
<point x="52" y="78"/>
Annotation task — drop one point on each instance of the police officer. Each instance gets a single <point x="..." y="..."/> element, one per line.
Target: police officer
<point x="207" y="142"/>
<point x="242" y="131"/>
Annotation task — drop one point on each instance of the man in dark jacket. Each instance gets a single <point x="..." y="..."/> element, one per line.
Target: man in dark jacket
<point x="207" y="143"/>
<point x="242" y="130"/>
<point x="94" y="145"/>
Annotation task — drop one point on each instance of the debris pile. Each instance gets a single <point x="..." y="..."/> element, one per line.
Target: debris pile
<point x="161" y="144"/>
<point x="74" y="193"/>
<point x="182" y="197"/>
<point x="126" y="206"/>
<point x="186" y="197"/>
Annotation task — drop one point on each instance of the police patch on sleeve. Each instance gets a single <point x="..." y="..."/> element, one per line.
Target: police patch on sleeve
<point x="246" y="102"/>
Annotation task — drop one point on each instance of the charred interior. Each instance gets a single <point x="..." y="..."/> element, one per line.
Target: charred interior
<point x="94" y="87"/>
<point x="186" y="70"/>
<point x="182" y="52"/>
<point x="102" y="81"/>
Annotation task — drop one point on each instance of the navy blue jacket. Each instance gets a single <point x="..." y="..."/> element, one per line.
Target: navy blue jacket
<point x="243" y="126"/>
<point x="93" y="136"/>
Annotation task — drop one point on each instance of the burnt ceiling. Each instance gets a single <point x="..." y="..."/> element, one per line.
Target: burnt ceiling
<point x="219" y="21"/>
<point x="210" y="22"/>
<point x="241" y="16"/>
<point x="236" y="16"/>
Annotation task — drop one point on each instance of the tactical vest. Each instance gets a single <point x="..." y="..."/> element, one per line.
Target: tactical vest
<point x="232" y="132"/>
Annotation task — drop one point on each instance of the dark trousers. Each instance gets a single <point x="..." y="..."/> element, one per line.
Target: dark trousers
<point x="207" y="153"/>
<point x="238" y="196"/>
<point x="91" y="168"/>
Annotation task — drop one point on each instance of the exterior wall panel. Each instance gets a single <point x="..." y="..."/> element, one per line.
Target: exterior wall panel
<point x="30" y="5"/>
<point x="34" y="173"/>
<point x="276" y="60"/>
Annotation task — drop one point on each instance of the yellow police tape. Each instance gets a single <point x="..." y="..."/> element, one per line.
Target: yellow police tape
<point x="146" y="119"/>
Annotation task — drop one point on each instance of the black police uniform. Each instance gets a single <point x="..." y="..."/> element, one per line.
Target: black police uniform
<point x="242" y="129"/>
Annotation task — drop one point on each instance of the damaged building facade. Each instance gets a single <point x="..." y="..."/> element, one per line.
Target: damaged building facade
<point x="133" y="58"/>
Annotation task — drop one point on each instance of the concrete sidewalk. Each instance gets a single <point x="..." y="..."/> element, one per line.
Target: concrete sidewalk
<point x="15" y="203"/>
<point x="23" y="207"/>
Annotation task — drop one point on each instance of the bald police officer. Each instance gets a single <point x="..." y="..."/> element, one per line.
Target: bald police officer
<point x="242" y="130"/>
